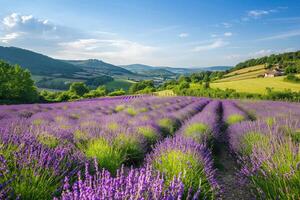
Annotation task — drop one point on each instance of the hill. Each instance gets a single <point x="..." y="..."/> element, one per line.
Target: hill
<point x="257" y="85"/>
<point x="36" y="63"/>
<point x="284" y="60"/>
<point x="94" y="65"/>
<point x="147" y="70"/>
<point x="170" y="71"/>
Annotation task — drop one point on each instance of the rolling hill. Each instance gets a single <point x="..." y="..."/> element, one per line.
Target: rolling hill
<point x="170" y="71"/>
<point x="95" y="65"/>
<point x="36" y="63"/>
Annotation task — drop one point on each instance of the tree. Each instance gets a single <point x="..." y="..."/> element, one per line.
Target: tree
<point x="78" y="88"/>
<point x="16" y="84"/>
<point x="141" y="86"/>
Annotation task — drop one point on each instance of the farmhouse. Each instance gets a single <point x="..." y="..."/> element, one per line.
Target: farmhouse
<point x="273" y="73"/>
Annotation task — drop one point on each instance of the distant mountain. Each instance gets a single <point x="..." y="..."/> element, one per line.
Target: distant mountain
<point x="36" y="63"/>
<point x="144" y="69"/>
<point x="147" y="70"/>
<point x="98" y="65"/>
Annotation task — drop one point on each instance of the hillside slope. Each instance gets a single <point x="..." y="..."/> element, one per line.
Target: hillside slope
<point x="36" y="63"/>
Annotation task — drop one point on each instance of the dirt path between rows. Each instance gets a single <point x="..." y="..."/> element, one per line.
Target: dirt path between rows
<point x="228" y="178"/>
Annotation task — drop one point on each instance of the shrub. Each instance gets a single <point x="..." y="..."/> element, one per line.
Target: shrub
<point x="235" y="118"/>
<point x="176" y="163"/>
<point x="48" y="140"/>
<point x="149" y="133"/>
<point x="131" y="147"/>
<point x="168" y="125"/>
<point x="117" y="93"/>
<point x="253" y="140"/>
<point x="196" y="131"/>
<point x="108" y="156"/>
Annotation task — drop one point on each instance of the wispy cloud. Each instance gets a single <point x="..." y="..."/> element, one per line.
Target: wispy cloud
<point x="259" y="13"/>
<point x="10" y="36"/>
<point x="113" y="50"/>
<point x="183" y="35"/>
<point x="214" y="45"/>
<point x="293" y="33"/>
<point x="228" y="34"/>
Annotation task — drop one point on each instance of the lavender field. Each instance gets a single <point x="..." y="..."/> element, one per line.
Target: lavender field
<point x="147" y="147"/>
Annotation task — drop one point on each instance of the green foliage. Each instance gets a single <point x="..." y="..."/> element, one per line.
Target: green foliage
<point x="196" y="131"/>
<point x="183" y="85"/>
<point x="53" y="83"/>
<point x="78" y="88"/>
<point x="48" y="140"/>
<point x="235" y="118"/>
<point x="108" y="156"/>
<point x="119" y="108"/>
<point x="292" y="78"/>
<point x="131" y="111"/>
<point x="168" y="126"/>
<point x="149" y="133"/>
<point x="281" y="177"/>
<point x="16" y="84"/>
<point x="119" y="92"/>
<point x="285" y="95"/>
<point x="99" y="92"/>
<point x="145" y="86"/>
<point x="251" y="140"/>
<point x="99" y="80"/>
<point x="292" y="69"/>
<point x="30" y="182"/>
<point x="130" y="146"/>
<point x="284" y="59"/>
<point x="191" y="170"/>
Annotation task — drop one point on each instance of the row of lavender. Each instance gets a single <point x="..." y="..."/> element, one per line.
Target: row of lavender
<point x="84" y="150"/>
<point x="268" y="148"/>
<point x="179" y="167"/>
<point x="41" y="145"/>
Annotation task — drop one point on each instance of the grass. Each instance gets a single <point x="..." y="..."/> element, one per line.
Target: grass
<point x="168" y="126"/>
<point x="253" y="139"/>
<point x="175" y="163"/>
<point x="149" y="133"/>
<point x="257" y="85"/>
<point x="118" y="84"/>
<point x="108" y="156"/>
<point x="235" y="118"/>
<point x="196" y="131"/>
<point x="48" y="140"/>
<point x="246" y="70"/>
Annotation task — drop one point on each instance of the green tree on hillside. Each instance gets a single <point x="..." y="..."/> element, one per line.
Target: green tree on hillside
<point x="78" y="88"/>
<point x="16" y="84"/>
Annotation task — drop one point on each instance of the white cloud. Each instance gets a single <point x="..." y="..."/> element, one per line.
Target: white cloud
<point x="260" y="53"/>
<point x="228" y="34"/>
<point x="214" y="45"/>
<point x="9" y="37"/>
<point x="18" y="22"/>
<point x="285" y="35"/>
<point x="113" y="50"/>
<point x="227" y="25"/>
<point x="260" y="13"/>
<point x="213" y="35"/>
<point x="183" y="35"/>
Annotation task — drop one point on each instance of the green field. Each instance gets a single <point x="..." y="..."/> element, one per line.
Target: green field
<point x="118" y="84"/>
<point x="257" y="85"/>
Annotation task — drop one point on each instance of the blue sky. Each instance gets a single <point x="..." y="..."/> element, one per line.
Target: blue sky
<point x="181" y="33"/>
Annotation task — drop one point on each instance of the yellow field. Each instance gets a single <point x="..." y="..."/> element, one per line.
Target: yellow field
<point x="257" y="85"/>
<point x="246" y="70"/>
<point x="247" y="73"/>
<point x="165" y="93"/>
